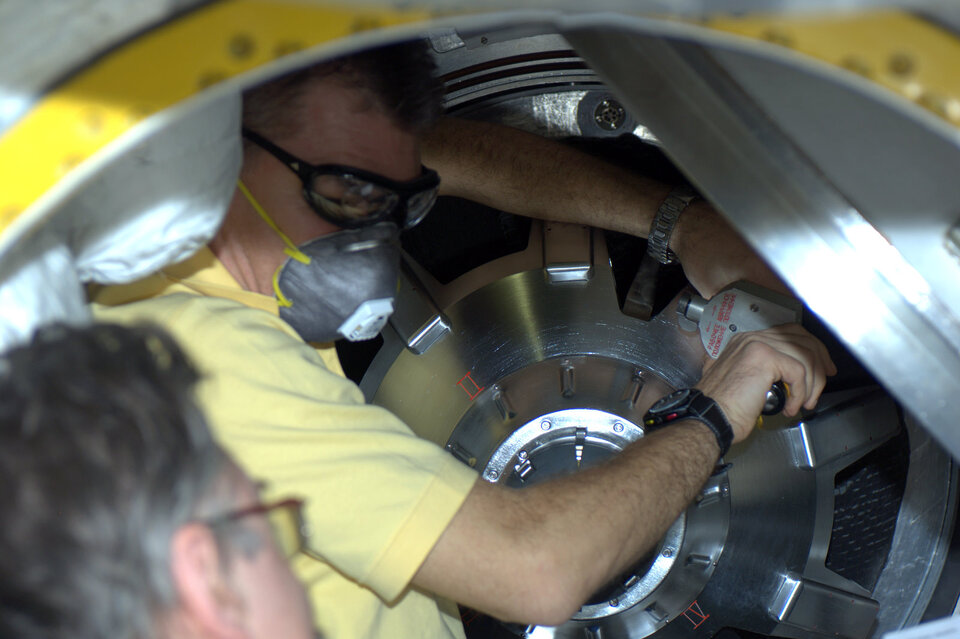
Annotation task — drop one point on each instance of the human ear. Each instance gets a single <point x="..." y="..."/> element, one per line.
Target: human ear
<point x="206" y="598"/>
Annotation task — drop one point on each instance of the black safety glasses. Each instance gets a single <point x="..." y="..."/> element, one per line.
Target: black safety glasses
<point x="353" y="198"/>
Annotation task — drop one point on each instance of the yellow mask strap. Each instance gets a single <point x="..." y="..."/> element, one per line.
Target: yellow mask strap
<point x="291" y="249"/>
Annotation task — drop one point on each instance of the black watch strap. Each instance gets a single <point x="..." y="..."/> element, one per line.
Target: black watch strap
<point x="690" y="403"/>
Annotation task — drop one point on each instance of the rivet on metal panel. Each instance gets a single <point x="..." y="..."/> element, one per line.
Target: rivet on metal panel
<point x="857" y="65"/>
<point x="901" y="64"/>
<point x="952" y="239"/>
<point x="241" y="46"/>
<point x="776" y="36"/>
<point x="210" y="78"/>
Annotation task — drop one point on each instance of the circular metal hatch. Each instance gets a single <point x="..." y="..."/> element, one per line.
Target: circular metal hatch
<point x="531" y="376"/>
<point x="524" y="367"/>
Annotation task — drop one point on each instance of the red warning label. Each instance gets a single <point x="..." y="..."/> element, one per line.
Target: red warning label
<point x="718" y="324"/>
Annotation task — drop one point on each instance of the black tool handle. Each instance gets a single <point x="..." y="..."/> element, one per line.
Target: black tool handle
<point x="776" y="399"/>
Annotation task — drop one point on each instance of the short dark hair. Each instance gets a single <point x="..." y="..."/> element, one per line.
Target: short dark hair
<point x="401" y="78"/>
<point x="103" y="455"/>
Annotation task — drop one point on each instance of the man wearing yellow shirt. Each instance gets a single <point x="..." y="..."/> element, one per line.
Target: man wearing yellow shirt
<point x="332" y="172"/>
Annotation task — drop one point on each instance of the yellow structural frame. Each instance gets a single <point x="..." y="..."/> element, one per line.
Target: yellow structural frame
<point x="904" y="53"/>
<point x="157" y="70"/>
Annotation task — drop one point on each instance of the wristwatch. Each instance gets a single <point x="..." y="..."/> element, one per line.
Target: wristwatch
<point x="658" y="240"/>
<point x="690" y="403"/>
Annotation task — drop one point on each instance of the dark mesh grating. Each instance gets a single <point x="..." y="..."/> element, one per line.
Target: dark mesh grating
<point x="867" y="498"/>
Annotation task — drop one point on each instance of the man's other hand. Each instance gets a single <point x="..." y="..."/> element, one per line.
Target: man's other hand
<point x="739" y="379"/>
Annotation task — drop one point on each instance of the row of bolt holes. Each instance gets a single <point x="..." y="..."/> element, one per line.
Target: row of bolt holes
<point x="900" y="66"/>
<point x="240" y="47"/>
<point x="546" y="425"/>
<point x="243" y="46"/>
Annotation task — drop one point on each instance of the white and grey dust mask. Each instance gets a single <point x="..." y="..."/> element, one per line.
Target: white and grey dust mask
<point x="340" y="285"/>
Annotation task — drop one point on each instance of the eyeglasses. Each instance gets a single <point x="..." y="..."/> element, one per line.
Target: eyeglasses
<point x="286" y="521"/>
<point x="352" y="198"/>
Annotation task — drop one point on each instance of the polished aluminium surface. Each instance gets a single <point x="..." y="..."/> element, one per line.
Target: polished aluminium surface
<point x="514" y="322"/>
<point x="890" y="297"/>
<point x="524" y="386"/>
<point x="771" y="574"/>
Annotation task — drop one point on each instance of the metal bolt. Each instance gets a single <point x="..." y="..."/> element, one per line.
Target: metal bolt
<point x="609" y="115"/>
<point x="545" y="425"/>
<point x="522" y="455"/>
<point x="615" y="602"/>
<point x="483" y="40"/>
<point x="618" y="427"/>
<point x="493" y="474"/>
<point x="733" y="328"/>
<point x="667" y="552"/>
<point x="755" y="308"/>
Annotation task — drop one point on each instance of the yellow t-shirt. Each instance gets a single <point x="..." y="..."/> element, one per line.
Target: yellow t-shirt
<point x="377" y="496"/>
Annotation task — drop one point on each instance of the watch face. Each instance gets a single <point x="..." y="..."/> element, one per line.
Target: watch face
<point x="671" y="401"/>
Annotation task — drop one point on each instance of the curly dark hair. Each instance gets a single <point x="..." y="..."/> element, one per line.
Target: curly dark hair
<point x="103" y="455"/>
<point x="401" y="78"/>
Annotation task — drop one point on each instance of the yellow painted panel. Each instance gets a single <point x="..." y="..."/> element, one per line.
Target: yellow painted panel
<point x="157" y="70"/>
<point x="905" y="53"/>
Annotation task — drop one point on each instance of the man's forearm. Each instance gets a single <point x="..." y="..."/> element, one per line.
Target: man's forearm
<point x="522" y="173"/>
<point x="535" y="555"/>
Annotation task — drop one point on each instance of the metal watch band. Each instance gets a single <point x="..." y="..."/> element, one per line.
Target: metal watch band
<point x="698" y="407"/>
<point x="658" y="241"/>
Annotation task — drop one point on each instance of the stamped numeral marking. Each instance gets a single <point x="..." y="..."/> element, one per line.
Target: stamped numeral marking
<point x="470" y="387"/>
<point x="695" y="615"/>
